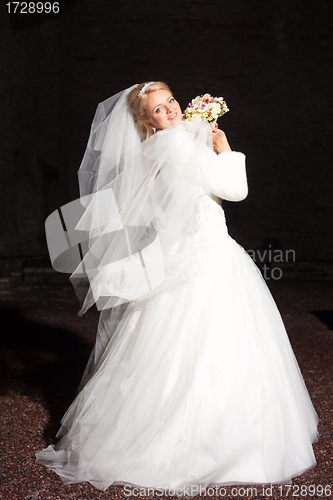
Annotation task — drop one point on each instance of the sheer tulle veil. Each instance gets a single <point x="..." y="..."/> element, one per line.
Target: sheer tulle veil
<point x="140" y="202"/>
<point x="112" y="135"/>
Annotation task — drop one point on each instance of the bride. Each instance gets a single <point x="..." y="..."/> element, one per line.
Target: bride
<point x="192" y="381"/>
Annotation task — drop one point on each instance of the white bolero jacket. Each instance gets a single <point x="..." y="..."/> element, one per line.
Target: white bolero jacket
<point x="187" y="154"/>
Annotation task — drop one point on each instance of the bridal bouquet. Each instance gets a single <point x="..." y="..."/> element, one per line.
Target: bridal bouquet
<point x="206" y="107"/>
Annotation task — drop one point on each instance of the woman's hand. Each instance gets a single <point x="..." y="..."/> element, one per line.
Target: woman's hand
<point x="220" y="141"/>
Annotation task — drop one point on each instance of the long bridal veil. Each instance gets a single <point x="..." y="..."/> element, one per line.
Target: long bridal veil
<point x="138" y="207"/>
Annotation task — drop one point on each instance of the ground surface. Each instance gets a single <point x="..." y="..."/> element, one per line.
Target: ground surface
<point x="44" y="348"/>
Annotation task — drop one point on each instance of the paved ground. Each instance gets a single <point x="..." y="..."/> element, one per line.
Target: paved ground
<point x="43" y="353"/>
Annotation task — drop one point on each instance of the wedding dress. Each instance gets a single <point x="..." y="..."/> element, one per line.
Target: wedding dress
<point x="195" y="384"/>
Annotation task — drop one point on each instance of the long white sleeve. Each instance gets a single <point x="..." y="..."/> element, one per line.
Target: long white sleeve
<point x="189" y="157"/>
<point x="226" y="176"/>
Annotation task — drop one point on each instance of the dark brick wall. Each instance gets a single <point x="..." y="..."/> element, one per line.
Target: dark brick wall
<point x="272" y="61"/>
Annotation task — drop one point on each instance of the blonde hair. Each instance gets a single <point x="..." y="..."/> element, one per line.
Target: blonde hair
<point x="137" y="105"/>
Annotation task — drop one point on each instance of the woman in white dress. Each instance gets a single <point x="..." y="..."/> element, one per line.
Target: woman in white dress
<point x="192" y="381"/>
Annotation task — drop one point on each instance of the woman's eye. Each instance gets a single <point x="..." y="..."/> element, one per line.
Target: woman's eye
<point x="157" y="110"/>
<point x="172" y="99"/>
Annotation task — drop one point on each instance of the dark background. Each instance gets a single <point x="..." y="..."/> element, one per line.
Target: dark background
<point x="271" y="61"/>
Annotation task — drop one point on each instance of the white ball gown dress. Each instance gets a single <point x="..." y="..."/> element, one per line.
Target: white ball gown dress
<point x="196" y="385"/>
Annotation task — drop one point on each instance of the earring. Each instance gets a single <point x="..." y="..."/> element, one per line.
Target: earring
<point x="154" y="130"/>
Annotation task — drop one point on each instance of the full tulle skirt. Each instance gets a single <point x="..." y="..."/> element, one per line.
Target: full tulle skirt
<point x="196" y="386"/>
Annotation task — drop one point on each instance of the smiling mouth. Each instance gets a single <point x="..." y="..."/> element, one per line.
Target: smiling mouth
<point x="172" y="116"/>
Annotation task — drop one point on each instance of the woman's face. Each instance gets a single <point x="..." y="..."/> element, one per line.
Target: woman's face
<point x="162" y="109"/>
